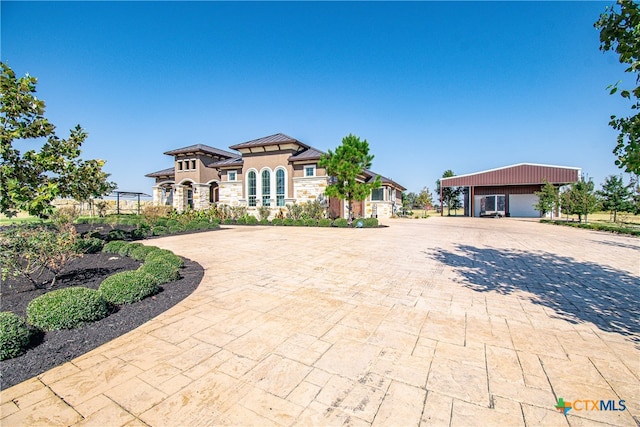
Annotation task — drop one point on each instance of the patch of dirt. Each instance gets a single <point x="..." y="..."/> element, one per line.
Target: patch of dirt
<point x="57" y="347"/>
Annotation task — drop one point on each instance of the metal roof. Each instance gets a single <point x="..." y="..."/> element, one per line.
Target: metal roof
<point x="309" y="154"/>
<point x="163" y="172"/>
<point x="237" y="161"/>
<point x="203" y="149"/>
<point x="372" y="175"/>
<point x="518" y="174"/>
<point x="278" y="138"/>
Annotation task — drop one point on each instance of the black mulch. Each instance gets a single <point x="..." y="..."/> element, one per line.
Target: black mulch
<point x="57" y="347"/>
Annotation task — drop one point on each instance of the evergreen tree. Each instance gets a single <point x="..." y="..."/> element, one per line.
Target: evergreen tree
<point x="580" y="199"/>
<point x="615" y="196"/>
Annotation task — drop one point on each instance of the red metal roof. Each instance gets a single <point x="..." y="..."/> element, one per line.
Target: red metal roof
<point x="520" y="174"/>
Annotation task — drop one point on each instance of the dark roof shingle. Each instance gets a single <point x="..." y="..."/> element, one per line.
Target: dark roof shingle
<point x="278" y="138"/>
<point x="163" y="172"/>
<point x="201" y="148"/>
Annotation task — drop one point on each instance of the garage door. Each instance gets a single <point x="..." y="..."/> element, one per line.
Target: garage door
<point x="521" y="205"/>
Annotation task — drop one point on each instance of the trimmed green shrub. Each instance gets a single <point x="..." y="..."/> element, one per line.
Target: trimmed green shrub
<point x="229" y="221"/>
<point x="139" y="233"/>
<point x="192" y="225"/>
<point x="341" y="222"/>
<point x="114" y="246"/>
<point x="288" y="221"/>
<point x="277" y="221"/>
<point x="324" y="222"/>
<point x="66" y="308"/>
<point x="300" y="222"/>
<point x="311" y="222"/>
<point x="241" y="221"/>
<point x="126" y="249"/>
<point x="116" y="235"/>
<point x="128" y="287"/>
<point x="15" y="335"/>
<point x="264" y="222"/>
<point x="162" y="271"/>
<point x="252" y="220"/>
<point x="89" y="245"/>
<point x="159" y="230"/>
<point x="370" y="222"/>
<point x="165" y="255"/>
<point x="178" y="228"/>
<point x="140" y="253"/>
<point x="172" y="222"/>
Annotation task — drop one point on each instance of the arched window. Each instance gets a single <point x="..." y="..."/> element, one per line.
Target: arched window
<point x="251" y="187"/>
<point x="280" y="187"/>
<point x="266" y="188"/>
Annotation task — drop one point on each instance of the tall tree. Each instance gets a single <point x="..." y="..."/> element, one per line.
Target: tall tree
<point x="619" y="29"/>
<point x="548" y="198"/>
<point x="450" y="195"/>
<point x="580" y="199"/>
<point x="29" y="181"/>
<point x="615" y="196"/>
<point x="346" y="166"/>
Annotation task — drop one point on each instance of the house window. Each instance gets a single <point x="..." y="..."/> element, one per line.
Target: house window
<point x="251" y="186"/>
<point x="280" y="187"/>
<point x="179" y="166"/>
<point x="193" y="165"/>
<point x="310" y="170"/>
<point x="266" y="188"/>
<point x="232" y="175"/>
<point x="377" y="194"/>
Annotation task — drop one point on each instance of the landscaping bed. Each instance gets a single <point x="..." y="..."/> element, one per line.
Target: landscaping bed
<point x="54" y="348"/>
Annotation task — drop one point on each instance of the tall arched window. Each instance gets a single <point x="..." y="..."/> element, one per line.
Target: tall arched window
<point x="280" y="187"/>
<point x="251" y="187"/>
<point x="266" y="188"/>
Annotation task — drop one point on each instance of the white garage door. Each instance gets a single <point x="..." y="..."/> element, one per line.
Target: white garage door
<point x="521" y="205"/>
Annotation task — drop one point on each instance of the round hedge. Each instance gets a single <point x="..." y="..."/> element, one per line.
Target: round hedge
<point x="66" y="308"/>
<point x="166" y="256"/>
<point x="15" y="335"/>
<point x="114" y="246"/>
<point x="128" y="287"/>
<point x="162" y="271"/>
<point x="141" y="252"/>
<point x="125" y="250"/>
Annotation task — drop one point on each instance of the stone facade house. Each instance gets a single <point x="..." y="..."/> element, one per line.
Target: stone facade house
<point x="272" y="171"/>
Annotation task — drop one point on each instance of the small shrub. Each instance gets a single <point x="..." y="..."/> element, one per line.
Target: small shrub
<point x="192" y="225"/>
<point x="294" y="211"/>
<point x="154" y="213"/>
<point x="370" y="222"/>
<point x="128" y="287"/>
<point x="241" y="221"/>
<point x="89" y="245"/>
<point x="313" y="209"/>
<point x="252" y="220"/>
<point x="264" y="212"/>
<point x="139" y="233"/>
<point x="172" y="223"/>
<point x="161" y="222"/>
<point x="117" y="234"/>
<point x="159" y="230"/>
<point x="277" y="221"/>
<point x="165" y="255"/>
<point x="311" y="222"/>
<point x="178" y="228"/>
<point x="15" y="335"/>
<point x="300" y="222"/>
<point x="264" y="222"/>
<point x="140" y="253"/>
<point x="114" y="246"/>
<point x="341" y="222"/>
<point x="126" y="249"/>
<point x="162" y="271"/>
<point x="288" y="221"/>
<point x="324" y="222"/>
<point x="66" y="308"/>
<point x="228" y="221"/>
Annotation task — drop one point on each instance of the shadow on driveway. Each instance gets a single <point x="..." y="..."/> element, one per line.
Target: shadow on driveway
<point x="577" y="291"/>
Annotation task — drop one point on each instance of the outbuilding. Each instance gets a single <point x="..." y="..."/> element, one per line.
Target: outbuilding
<point x="509" y="190"/>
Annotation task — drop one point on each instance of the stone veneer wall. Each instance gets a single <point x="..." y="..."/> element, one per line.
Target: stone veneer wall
<point x="384" y="209"/>
<point x="230" y="193"/>
<point x="307" y="189"/>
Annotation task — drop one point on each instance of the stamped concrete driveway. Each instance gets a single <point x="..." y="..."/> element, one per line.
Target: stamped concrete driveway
<point x="444" y="321"/>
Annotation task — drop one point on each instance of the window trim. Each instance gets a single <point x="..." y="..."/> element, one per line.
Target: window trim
<point x="255" y="188"/>
<point x="235" y="175"/>
<point x="381" y="190"/>
<point x="262" y="187"/>
<point x="284" y="186"/>
<point x="312" y="167"/>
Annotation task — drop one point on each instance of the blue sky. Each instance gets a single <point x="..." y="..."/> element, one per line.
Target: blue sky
<point x="466" y="86"/>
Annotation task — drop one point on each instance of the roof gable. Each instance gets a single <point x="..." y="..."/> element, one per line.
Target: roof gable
<point x="202" y="148"/>
<point x="278" y="139"/>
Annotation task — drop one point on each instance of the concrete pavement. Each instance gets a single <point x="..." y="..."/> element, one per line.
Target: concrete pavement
<point x="443" y="321"/>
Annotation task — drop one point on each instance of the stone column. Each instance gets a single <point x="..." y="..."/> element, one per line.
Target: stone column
<point x="157" y="195"/>
<point x="179" y="198"/>
<point x="200" y="196"/>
